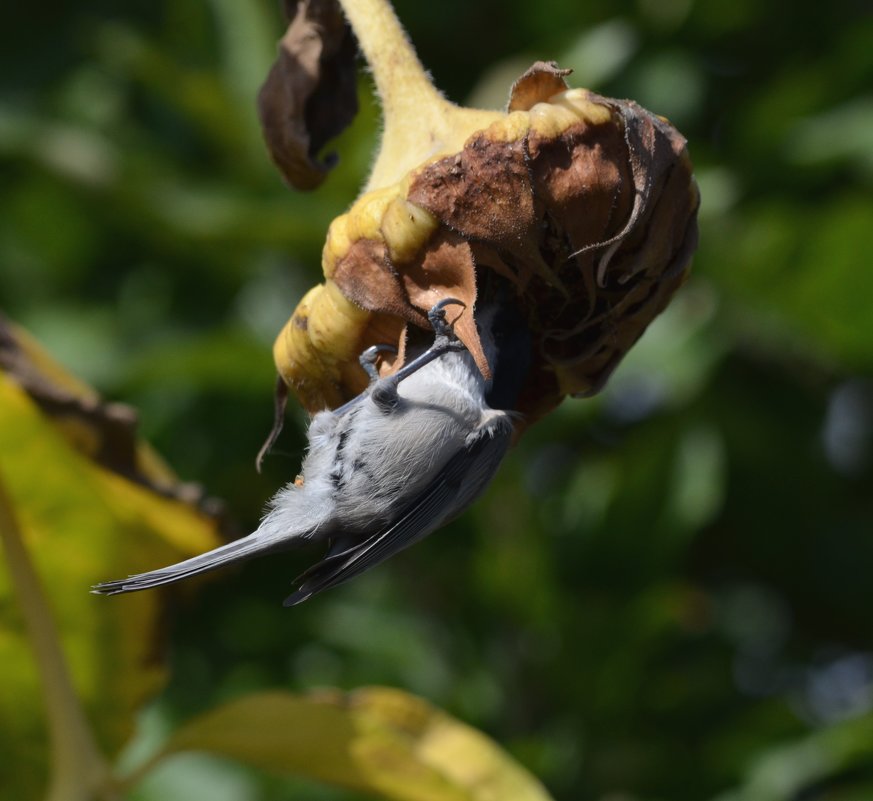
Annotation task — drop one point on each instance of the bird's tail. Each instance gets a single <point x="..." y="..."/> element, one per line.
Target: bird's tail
<point x="232" y="552"/>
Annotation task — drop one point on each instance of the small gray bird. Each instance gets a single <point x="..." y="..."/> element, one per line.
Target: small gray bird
<point x="383" y="471"/>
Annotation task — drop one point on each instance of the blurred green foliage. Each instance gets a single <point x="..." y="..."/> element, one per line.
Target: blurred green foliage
<point x="666" y="594"/>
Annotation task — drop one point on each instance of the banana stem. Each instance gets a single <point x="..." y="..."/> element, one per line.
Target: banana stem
<point x="79" y="771"/>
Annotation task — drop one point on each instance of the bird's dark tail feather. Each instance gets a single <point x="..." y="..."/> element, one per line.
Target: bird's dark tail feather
<point x="232" y="552"/>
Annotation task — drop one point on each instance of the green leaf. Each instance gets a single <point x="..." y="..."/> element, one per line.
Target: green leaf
<point x="375" y="740"/>
<point x="801" y="271"/>
<point x="835" y="763"/>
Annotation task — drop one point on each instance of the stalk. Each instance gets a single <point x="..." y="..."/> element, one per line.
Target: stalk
<point x="419" y="122"/>
<point x="78" y="769"/>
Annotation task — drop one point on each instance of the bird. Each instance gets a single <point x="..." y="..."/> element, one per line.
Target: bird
<point x="388" y="468"/>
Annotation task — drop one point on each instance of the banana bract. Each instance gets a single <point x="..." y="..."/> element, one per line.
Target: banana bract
<point x="586" y="205"/>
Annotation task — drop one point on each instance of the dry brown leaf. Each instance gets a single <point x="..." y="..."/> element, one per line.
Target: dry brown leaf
<point x="310" y="94"/>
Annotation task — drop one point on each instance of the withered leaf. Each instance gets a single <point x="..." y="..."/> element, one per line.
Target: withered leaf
<point x="366" y="276"/>
<point x="484" y="193"/>
<point x="537" y="85"/>
<point x="310" y="94"/>
<point x="446" y="269"/>
<point x="106" y="432"/>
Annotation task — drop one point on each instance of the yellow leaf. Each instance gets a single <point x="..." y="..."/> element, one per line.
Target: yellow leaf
<point x="81" y="524"/>
<point x="375" y="740"/>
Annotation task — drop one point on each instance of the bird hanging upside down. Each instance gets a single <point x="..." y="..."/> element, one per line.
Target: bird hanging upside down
<point x="391" y="466"/>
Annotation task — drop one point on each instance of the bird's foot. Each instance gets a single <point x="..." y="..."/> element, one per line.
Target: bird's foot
<point x="368" y="360"/>
<point x="384" y="390"/>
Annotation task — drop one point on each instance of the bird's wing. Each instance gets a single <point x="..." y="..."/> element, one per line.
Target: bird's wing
<point x="457" y="484"/>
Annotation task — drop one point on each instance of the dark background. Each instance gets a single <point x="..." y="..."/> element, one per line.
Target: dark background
<point x="667" y="593"/>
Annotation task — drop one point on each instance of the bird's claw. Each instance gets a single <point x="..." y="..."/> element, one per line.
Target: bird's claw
<point x="368" y="360"/>
<point x="383" y="392"/>
<point x="437" y="318"/>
